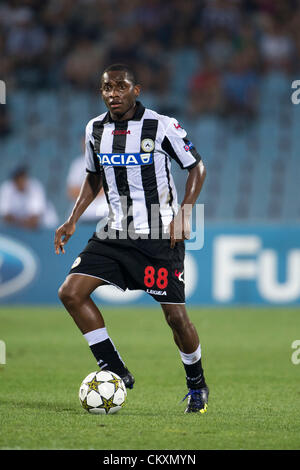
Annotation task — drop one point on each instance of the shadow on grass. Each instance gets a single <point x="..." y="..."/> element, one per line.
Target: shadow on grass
<point x="40" y="405"/>
<point x="61" y="407"/>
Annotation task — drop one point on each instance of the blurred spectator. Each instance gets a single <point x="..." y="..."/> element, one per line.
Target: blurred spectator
<point x="69" y="41"/>
<point x="59" y="42"/>
<point x="27" y="44"/>
<point x="84" y="63"/>
<point x="5" y="124"/>
<point x="223" y="14"/>
<point x="123" y="46"/>
<point x="23" y="202"/>
<point x="246" y="37"/>
<point x="145" y="78"/>
<point x="220" y="48"/>
<point x="184" y="61"/>
<point x="281" y="9"/>
<point x="57" y="13"/>
<point x="154" y="59"/>
<point x="6" y="62"/>
<point x="98" y="209"/>
<point x="129" y="13"/>
<point x="26" y="40"/>
<point x="150" y="15"/>
<point x="276" y="45"/>
<point x="205" y="91"/>
<point x="240" y="87"/>
<point x="193" y="58"/>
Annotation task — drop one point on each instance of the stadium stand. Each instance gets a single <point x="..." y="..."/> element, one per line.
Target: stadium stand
<point x="241" y="165"/>
<point x="252" y="158"/>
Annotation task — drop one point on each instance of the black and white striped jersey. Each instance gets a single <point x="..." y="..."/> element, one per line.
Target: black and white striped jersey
<point x="134" y="158"/>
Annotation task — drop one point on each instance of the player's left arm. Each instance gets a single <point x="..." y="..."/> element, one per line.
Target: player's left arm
<point x="176" y="144"/>
<point x="180" y="227"/>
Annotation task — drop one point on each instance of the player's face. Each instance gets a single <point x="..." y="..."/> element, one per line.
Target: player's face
<point x="21" y="182"/>
<point x="119" y="94"/>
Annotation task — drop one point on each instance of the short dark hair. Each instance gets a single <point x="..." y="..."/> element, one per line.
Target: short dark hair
<point x="21" y="170"/>
<point x="122" y="68"/>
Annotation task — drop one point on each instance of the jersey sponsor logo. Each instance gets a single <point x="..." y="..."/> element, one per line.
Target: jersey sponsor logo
<point x="147" y="145"/>
<point x="189" y="145"/>
<point x="120" y="132"/>
<point x="177" y="126"/>
<point x="125" y="159"/>
<point x="156" y="292"/>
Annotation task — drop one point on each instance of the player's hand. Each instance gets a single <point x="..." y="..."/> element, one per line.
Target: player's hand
<point x="180" y="228"/>
<point x="62" y="236"/>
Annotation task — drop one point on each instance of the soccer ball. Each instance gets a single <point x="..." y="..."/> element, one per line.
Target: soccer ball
<point x="102" y="392"/>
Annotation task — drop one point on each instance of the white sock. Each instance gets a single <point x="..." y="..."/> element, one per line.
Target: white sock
<point x="96" y="336"/>
<point x="192" y="357"/>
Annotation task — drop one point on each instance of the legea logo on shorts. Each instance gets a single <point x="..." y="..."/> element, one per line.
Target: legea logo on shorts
<point x="125" y="159"/>
<point x="17" y="266"/>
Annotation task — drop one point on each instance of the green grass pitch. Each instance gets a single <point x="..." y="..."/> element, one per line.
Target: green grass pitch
<point x="254" y="400"/>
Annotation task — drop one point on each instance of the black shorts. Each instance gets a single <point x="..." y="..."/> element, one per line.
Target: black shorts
<point x="142" y="264"/>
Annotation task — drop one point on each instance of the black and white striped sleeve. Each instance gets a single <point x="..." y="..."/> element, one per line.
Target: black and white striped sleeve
<point x="91" y="160"/>
<point x="177" y="145"/>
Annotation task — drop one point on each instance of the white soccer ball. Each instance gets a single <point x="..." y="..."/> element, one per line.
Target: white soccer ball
<point x="102" y="392"/>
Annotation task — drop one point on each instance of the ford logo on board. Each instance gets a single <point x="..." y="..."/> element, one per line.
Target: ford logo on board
<point x="17" y="266"/>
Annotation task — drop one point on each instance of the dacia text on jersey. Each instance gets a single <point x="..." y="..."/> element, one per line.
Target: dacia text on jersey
<point x="125" y="159"/>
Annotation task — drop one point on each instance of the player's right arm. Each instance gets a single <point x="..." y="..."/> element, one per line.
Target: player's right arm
<point x="89" y="190"/>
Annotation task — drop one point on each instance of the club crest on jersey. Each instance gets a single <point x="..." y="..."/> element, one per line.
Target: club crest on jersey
<point x="147" y="145"/>
<point x="125" y="159"/>
<point x="76" y="262"/>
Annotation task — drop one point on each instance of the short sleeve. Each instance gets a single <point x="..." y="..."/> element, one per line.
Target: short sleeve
<point x="178" y="146"/>
<point x="91" y="161"/>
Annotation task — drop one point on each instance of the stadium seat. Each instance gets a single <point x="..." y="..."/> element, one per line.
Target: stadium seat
<point x="241" y="166"/>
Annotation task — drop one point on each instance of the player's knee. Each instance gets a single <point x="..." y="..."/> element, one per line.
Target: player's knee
<point x="177" y="319"/>
<point x="63" y="294"/>
<point x="68" y="296"/>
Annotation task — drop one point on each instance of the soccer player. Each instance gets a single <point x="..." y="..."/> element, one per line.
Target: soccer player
<point x="128" y="151"/>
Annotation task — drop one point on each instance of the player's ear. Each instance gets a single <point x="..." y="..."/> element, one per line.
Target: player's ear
<point x="137" y="90"/>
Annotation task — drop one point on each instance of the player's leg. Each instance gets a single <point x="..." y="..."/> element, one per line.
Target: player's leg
<point x="75" y="295"/>
<point x="187" y="341"/>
